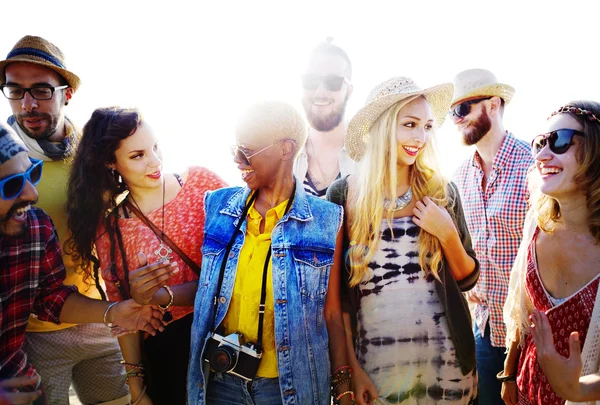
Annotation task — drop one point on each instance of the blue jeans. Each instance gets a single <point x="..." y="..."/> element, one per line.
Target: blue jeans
<point x="490" y="360"/>
<point x="226" y="389"/>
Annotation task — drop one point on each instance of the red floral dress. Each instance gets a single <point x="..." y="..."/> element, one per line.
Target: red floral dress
<point x="572" y="314"/>
<point x="183" y="223"/>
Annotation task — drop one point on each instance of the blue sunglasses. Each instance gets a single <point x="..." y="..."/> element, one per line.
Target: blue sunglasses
<point x="12" y="186"/>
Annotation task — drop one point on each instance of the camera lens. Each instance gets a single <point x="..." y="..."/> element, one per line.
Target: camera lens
<point x="223" y="359"/>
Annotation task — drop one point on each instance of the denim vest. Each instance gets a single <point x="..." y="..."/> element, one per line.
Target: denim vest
<point x="303" y="243"/>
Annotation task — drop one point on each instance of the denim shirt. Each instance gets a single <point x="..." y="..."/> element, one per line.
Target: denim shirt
<point x="303" y="245"/>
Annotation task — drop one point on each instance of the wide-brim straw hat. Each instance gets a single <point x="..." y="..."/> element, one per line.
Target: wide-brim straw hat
<point x="39" y="51"/>
<point x="385" y="96"/>
<point x="476" y="83"/>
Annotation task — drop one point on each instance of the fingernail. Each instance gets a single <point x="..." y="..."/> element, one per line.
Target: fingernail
<point x="176" y="270"/>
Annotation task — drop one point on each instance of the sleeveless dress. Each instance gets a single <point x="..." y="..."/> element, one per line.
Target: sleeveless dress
<point x="404" y="343"/>
<point x="565" y="316"/>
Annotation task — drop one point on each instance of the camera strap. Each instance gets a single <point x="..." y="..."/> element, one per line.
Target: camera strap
<point x="241" y="220"/>
<point x="263" y="290"/>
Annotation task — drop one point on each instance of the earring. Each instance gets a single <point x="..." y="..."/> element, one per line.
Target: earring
<point x="115" y="174"/>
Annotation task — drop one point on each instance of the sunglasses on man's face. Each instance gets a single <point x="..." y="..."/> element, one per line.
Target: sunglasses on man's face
<point x="239" y="154"/>
<point x="331" y="82"/>
<point x="12" y="186"/>
<point x="560" y="141"/>
<point x="464" y="108"/>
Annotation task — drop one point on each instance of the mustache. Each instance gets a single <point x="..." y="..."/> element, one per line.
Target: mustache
<point x="34" y="114"/>
<point x="17" y="206"/>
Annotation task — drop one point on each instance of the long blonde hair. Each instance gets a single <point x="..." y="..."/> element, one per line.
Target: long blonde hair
<point x="587" y="176"/>
<point x="377" y="180"/>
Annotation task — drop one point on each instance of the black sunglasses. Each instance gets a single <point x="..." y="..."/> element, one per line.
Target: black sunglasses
<point x="464" y="108"/>
<point x="560" y="141"/>
<point x="331" y="82"/>
<point x="12" y="186"/>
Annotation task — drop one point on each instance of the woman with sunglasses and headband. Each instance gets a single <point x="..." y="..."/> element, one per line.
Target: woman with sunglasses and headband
<point x="126" y="212"/>
<point x="268" y="326"/>
<point x="554" y="282"/>
<point x="408" y="255"/>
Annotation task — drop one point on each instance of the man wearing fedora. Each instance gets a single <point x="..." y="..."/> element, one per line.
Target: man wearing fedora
<point x="493" y="186"/>
<point x="38" y="86"/>
<point x="326" y="90"/>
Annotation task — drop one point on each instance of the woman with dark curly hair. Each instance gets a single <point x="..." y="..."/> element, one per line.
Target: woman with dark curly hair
<point x="124" y="211"/>
<point x="553" y="305"/>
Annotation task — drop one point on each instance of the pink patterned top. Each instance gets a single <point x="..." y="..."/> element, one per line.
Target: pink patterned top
<point x="572" y="314"/>
<point x="184" y="224"/>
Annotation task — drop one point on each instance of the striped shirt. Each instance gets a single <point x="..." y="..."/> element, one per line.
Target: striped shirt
<point x="495" y="218"/>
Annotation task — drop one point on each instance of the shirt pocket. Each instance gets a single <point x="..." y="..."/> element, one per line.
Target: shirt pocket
<point x="313" y="272"/>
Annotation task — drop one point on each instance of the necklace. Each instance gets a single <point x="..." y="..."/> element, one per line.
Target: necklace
<point x="326" y="181"/>
<point x="163" y="251"/>
<point x="400" y="202"/>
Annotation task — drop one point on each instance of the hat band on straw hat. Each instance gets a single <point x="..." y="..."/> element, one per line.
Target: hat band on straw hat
<point x="35" y="52"/>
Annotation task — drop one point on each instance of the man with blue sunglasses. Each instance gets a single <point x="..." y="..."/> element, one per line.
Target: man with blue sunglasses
<point x="493" y="187"/>
<point x="32" y="276"/>
<point x="38" y="87"/>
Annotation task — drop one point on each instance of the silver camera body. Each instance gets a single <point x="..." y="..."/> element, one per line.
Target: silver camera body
<point x="228" y="354"/>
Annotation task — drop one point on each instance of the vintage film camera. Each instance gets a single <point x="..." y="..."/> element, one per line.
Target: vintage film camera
<point x="229" y="354"/>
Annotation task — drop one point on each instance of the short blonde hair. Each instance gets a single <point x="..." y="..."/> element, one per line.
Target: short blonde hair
<point x="272" y="121"/>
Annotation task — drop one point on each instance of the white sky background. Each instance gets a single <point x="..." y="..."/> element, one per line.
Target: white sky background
<point x="191" y="67"/>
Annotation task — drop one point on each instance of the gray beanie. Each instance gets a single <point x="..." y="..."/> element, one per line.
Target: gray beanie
<point x="9" y="146"/>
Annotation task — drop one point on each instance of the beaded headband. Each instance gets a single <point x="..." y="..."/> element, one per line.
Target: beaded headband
<point x="576" y="110"/>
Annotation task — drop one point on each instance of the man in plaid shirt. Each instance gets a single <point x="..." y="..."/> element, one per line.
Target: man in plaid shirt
<point x="494" y="193"/>
<point x="32" y="270"/>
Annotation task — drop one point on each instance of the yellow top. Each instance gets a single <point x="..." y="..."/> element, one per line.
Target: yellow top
<point x="242" y="316"/>
<point x="52" y="190"/>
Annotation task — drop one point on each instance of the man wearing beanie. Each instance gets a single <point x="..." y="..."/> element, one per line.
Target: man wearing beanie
<point x="38" y="86"/>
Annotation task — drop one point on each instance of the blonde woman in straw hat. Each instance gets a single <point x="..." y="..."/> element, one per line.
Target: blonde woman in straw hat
<point x="408" y="255"/>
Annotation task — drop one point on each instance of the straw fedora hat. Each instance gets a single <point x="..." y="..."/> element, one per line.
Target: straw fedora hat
<point x="39" y="51"/>
<point x="383" y="97"/>
<point x="475" y="83"/>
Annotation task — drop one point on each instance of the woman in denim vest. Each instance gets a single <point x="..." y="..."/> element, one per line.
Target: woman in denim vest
<point x="267" y="304"/>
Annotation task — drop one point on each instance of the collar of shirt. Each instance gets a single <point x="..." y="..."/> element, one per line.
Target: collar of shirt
<point x="502" y="157"/>
<point x="271" y="218"/>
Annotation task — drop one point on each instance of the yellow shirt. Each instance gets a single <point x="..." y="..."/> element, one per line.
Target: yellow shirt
<point x="52" y="190"/>
<point x="242" y="316"/>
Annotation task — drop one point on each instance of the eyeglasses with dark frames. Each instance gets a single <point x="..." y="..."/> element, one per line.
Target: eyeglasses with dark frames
<point x="464" y="108"/>
<point x="12" y="92"/>
<point x="559" y="140"/>
<point x="331" y="82"/>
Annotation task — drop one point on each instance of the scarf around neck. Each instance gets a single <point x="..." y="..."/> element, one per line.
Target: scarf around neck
<point x="46" y="150"/>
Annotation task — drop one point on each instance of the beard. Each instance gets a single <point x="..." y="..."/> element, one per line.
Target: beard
<point x="477" y="129"/>
<point x="39" y="133"/>
<point x="8" y="216"/>
<point x="325" y="123"/>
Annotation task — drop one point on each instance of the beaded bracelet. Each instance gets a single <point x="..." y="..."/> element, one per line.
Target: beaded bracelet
<point x="134" y="366"/>
<point x="351" y="393"/>
<point x="341" y="368"/>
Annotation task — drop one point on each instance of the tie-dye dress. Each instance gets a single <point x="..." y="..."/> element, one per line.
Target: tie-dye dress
<point x="404" y="343"/>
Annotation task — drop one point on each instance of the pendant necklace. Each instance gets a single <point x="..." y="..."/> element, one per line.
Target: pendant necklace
<point x="163" y="252"/>
<point x="400" y="203"/>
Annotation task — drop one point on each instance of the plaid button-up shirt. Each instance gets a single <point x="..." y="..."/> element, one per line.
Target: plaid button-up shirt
<point x="31" y="281"/>
<point x="495" y="219"/>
